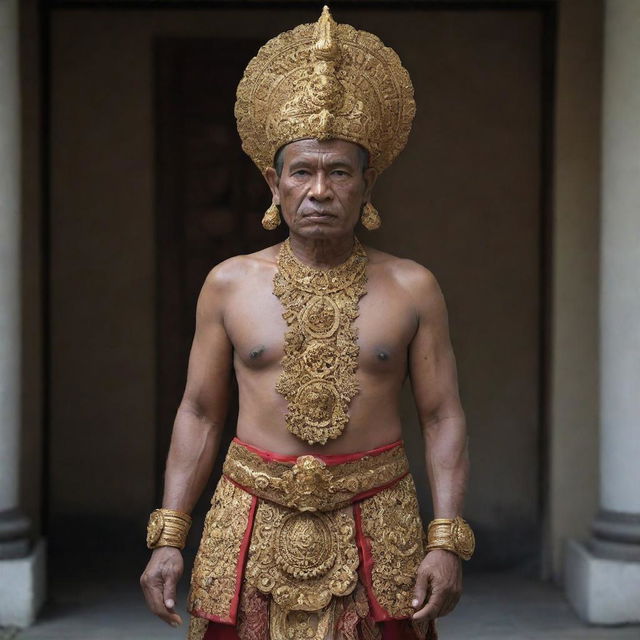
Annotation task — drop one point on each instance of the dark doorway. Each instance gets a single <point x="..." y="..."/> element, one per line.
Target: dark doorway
<point x="210" y="199"/>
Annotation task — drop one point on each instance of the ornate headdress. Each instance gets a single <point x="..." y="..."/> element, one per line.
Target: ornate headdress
<point x="325" y="80"/>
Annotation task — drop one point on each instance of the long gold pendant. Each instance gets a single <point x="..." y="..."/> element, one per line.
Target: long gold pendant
<point x="321" y="345"/>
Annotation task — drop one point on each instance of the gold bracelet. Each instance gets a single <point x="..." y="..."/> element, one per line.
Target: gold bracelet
<point x="451" y="534"/>
<point x="168" y="528"/>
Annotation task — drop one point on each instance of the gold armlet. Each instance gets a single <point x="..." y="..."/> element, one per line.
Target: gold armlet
<point x="168" y="528"/>
<point x="451" y="534"/>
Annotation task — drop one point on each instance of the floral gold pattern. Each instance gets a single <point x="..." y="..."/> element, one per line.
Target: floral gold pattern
<point x="197" y="628"/>
<point x="345" y="618"/>
<point x="325" y="80"/>
<point x="463" y="538"/>
<point x="301" y="558"/>
<point x="310" y="484"/>
<point x="214" y="578"/>
<point x="154" y="528"/>
<point x="391" y="522"/>
<point x="307" y="625"/>
<point x="321" y="345"/>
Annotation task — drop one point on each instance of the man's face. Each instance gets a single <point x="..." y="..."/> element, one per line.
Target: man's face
<point x="322" y="187"/>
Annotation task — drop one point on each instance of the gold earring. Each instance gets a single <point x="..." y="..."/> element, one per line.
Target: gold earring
<point x="370" y="217"/>
<point x="271" y="218"/>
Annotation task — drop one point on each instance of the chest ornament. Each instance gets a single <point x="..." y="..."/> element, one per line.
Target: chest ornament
<point x="321" y="344"/>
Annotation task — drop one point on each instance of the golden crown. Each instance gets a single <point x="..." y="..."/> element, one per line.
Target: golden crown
<point x="325" y="80"/>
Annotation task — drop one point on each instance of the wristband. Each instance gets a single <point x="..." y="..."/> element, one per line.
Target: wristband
<point x="451" y="534"/>
<point x="168" y="528"/>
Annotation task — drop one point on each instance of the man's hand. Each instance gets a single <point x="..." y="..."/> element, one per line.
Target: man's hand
<point x="159" y="582"/>
<point x="438" y="585"/>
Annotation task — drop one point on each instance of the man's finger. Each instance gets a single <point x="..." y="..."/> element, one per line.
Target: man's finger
<point x="154" y="592"/>
<point x="420" y="590"/>
<point x="173" y="618"/>
<point x="154" y="595"/>
<point x="148" y="592"/>
<point x="169" y="592"/>
<point x="432" y="609"/>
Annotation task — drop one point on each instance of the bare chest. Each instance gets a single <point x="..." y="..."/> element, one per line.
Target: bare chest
<point x="385" y="326"/>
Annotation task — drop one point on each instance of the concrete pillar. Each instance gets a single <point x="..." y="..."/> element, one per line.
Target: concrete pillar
<point x="19" y="597"/>
<point x="13" y="526"/>
<point x="603" y="576"/>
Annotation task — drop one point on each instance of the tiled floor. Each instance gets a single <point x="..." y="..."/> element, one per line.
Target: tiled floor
<point x="102" y="601"/>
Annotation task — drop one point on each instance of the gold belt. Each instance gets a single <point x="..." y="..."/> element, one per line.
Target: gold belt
<point x="311" y="484"/>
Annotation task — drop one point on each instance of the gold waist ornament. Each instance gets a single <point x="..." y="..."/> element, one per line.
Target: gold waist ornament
<point x="310" y="484"/>
<point x="295" y="530"/>
<point x="302" y="558"/>
<point x="321" y="345"/>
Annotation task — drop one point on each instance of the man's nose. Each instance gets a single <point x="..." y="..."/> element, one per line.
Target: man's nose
<point x="320" y="188"/>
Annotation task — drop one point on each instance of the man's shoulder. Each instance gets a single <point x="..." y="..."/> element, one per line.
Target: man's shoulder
<point x="406" y="273"/>
<point x="236" y="269"/>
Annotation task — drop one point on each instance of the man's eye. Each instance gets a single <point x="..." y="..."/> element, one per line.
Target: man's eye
<point x="300" y="172"/>
<point x="339" y="172"/>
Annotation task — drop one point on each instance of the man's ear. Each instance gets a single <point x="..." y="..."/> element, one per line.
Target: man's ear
<point x="370" y="176"/>
<point x="272" y="179"/>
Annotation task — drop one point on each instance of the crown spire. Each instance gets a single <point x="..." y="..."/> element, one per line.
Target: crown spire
<point x="326" y="47"/>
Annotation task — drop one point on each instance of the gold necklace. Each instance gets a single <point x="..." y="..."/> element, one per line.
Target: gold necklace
<point x="321" y="344"/>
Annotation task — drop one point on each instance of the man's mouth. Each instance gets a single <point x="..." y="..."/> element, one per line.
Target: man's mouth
<point x="318" y="214"/>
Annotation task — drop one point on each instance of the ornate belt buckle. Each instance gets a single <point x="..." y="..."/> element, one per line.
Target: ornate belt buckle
<point x="307" y="485"/>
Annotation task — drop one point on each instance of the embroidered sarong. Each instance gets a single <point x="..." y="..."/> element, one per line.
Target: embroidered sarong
<point x="308" y="547"/>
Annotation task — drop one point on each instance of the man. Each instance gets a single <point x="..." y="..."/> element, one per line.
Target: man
<point x="314" y="529"/>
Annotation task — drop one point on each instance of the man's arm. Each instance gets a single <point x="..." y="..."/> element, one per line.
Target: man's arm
<point x="433" y="374"/>
<point x="195" y="438"/>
